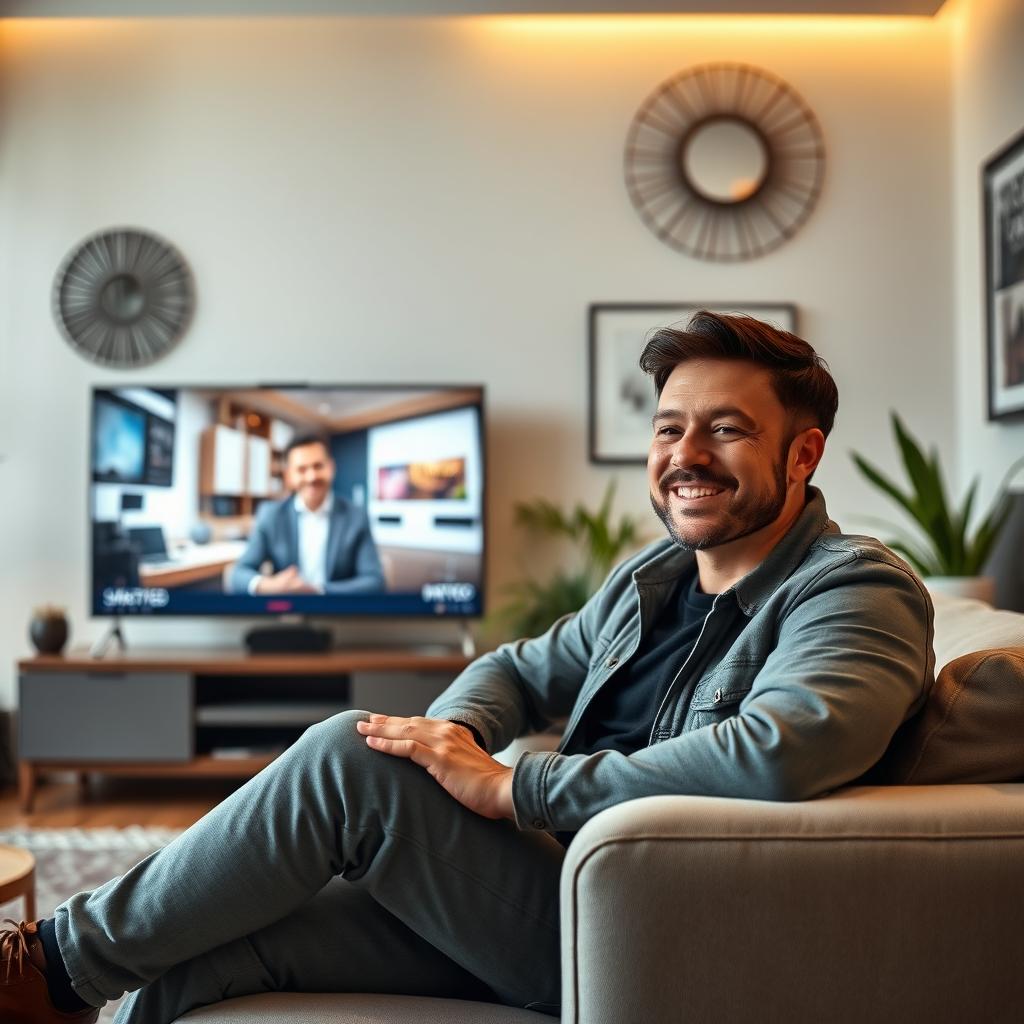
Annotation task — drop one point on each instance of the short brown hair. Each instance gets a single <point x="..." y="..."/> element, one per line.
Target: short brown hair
<point x="799" y="375"/>
<point x="302" y="440"/>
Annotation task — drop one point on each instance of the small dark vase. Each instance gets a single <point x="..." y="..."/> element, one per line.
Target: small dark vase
<point x="49" y="634"/>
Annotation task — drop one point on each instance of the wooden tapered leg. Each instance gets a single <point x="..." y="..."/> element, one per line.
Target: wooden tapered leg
<point x="30" y="898"/>
<point x="26" y="785"/>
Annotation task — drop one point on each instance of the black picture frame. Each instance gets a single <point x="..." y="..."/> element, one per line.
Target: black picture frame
<point x="1002" y="188"/>
<point x="621" y="396"/>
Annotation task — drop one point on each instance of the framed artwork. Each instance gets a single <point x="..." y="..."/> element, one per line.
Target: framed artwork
<point x="621" y="395"/>
<point x="1003" y="192"/>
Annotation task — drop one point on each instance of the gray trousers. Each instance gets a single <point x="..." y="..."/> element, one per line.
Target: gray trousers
<point x="337" y="869"/>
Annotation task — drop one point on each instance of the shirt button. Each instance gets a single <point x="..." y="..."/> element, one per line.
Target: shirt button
<point x="539" y="823"/>
<point x="611" y="662"/>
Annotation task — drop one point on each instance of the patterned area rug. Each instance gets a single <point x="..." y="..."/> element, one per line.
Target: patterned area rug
<point x="70" y="860"/>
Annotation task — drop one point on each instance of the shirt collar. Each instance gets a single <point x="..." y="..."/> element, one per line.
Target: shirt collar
<point x="324" y="510"/>
<point x="758" y="585"/>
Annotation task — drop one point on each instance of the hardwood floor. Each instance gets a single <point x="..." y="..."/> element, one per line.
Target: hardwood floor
<point x="115" y="803"/>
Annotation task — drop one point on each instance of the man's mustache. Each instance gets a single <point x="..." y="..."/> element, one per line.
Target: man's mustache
<point x="689" y="478"/>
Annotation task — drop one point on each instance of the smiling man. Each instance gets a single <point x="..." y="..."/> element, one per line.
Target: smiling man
<point x="755" y="652"/>
<point x="315" y="541"/>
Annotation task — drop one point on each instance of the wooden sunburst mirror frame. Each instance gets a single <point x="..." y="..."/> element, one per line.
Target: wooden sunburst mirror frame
<point x="760" y="212"/>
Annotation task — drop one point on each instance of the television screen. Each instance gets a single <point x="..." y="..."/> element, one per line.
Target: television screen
<point x="357" y="500"/>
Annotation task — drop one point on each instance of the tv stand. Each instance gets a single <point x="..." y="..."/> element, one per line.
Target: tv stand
<point x="186" y="713"/>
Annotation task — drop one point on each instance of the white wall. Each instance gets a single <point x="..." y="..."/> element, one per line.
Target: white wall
<point x="988" y="110"/>
<point x="438" y="201"/>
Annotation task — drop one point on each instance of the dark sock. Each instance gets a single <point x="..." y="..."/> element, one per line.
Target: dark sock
<point x="62" y="995"/>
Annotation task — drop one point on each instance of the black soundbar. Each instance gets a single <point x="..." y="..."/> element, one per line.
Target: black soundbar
<point x="287" y="640"/>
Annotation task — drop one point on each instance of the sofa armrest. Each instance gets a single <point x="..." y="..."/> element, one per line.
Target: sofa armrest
<point x="894" y="903"/>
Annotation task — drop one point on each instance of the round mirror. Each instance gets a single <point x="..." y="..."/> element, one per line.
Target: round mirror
<point x="123" y="299"/>
<point x="725" y="160"/>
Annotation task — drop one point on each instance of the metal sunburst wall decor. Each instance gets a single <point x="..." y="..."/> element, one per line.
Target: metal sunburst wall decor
<point x="724" y="162"/>
<point x="123" y="297"/>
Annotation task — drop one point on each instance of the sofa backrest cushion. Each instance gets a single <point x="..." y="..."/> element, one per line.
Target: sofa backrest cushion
<point x="971" y="728"/>
<point x="963" y="626"/>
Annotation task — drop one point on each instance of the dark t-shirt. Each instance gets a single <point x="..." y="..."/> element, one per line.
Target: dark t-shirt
<point x="622" y="714"/>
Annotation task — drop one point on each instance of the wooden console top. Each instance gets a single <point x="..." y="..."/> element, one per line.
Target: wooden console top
<point x="236" y="661"/>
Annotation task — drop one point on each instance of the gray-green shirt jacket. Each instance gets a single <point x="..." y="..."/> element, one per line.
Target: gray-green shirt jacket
<point x="802" y="673"/>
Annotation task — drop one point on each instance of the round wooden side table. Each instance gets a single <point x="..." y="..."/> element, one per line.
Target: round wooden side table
<point x="18" y="878"/>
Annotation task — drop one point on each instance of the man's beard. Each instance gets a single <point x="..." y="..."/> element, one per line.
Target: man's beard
<point x="740" y="518"/>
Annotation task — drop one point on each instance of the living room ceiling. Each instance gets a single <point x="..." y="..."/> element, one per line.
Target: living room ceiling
<point x="163" y="8"/>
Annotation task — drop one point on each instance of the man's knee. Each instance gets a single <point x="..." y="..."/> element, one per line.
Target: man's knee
<point x="335" y="750"/>
<point x="337" y="736"/>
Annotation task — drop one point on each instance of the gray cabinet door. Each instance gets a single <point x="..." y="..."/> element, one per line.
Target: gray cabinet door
<point x="108" y="716"/>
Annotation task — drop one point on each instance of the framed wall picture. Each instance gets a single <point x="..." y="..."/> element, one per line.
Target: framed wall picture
<point x="621" y="395"/>
<point x="1003" y="194"/>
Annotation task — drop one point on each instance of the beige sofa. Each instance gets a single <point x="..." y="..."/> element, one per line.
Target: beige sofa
<point x="885" y="902"/>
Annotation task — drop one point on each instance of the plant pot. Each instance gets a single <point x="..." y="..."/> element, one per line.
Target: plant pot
<point x="48" y="635"/>
<point x="980" y="588"/>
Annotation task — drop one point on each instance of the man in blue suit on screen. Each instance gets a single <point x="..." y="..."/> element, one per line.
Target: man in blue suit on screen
<point x="317" y="542"/>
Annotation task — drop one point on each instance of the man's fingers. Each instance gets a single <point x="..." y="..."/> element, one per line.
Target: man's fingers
<point x="399" y="748"/>
<point x="396" y="728"/>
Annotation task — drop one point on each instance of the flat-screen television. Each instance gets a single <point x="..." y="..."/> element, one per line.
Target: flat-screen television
<point x="309" y="500"/>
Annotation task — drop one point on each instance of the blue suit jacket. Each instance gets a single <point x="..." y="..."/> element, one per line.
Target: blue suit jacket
<point x="353" y="566"/>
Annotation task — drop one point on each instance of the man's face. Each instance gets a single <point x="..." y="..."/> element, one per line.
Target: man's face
<point x="309" y="472"/>
<point x="717" y="465"/>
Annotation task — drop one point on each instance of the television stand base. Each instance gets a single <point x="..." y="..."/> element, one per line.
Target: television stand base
<point x="113" y="635"/>
<point x="288" y="639"/>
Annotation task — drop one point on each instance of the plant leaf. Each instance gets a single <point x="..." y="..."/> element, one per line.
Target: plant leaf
<point x="543" y="517"/>
<point x="883" y="483"/>
<point x="922" y="562"/>
<point x="930" y="498"/>
<point x="987" y="534"/>
<point x="598" y="541"/>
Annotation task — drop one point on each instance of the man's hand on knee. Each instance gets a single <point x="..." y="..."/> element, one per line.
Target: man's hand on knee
<point x="450" y="753"/>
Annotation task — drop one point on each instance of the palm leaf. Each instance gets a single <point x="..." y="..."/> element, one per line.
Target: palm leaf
<point x="883" y="483"/>
<point x="961" y="523"/>
<point x="987" y="534"/>
<point x="921" y="561"/>
<point x="954" y="551"/>
<point x="598" y="542"/>
<point x="930" y="499"/>
<point x="543" y="517"/>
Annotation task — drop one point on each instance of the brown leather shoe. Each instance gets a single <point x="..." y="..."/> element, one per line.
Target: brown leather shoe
<point x="24" y="997"/>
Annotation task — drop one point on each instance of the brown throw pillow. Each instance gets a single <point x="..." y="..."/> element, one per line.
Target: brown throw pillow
<point x="971" y="728"/>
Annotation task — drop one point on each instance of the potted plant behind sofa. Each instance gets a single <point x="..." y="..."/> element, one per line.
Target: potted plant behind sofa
<point x="599" y="542"/>
<point x="952" y="556"/>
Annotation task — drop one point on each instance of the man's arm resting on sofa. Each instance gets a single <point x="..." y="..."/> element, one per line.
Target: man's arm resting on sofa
<point x="846" y="673"/>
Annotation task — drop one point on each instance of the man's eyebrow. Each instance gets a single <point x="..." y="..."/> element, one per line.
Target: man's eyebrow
<point x="727" y="411"/>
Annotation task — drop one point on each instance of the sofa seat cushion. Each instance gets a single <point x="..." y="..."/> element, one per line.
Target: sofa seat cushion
<point x="312" y="1008"/>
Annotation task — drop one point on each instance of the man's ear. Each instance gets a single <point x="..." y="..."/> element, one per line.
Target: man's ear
<point x="805" y="452"/>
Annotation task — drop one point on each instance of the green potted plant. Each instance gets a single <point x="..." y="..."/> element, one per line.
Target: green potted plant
<point x="598" y="541"/>
<point x="948" y="553"/>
